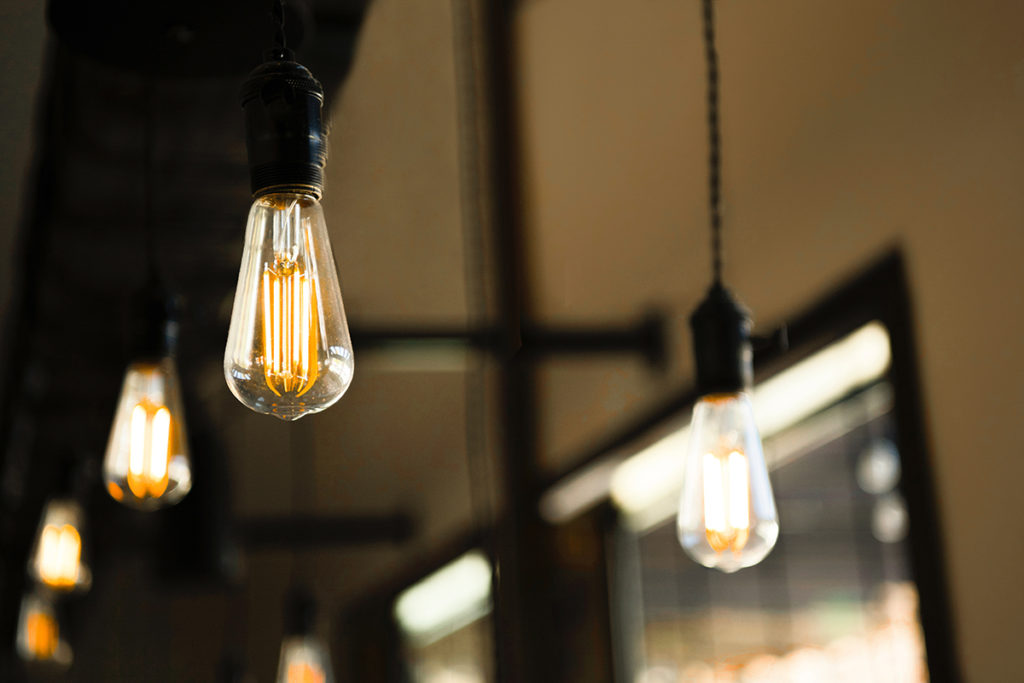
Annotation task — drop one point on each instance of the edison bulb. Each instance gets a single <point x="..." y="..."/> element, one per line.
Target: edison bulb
<point x="727" y="518"/>
<point x="304" y="660"/>
<point x="289" y="353"/>
<point x="38" y="637"/>
<point x="147" y="461"/>
<point x="56" y="559"/>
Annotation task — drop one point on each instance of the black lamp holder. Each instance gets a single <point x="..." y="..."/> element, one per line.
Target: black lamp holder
<point x="299" y="612"/>
<point x="154" y="323"/>
<point x="721" y="343"/>
<point x="284" y="127"/>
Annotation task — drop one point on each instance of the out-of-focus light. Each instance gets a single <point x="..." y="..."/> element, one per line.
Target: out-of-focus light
<point x="304" y="660"/>
<point x="878" y="469"/>
<point x="39" y="632"/>
<point x="453" y="596"/>
<point x="890" y="652"/>
<point x="889" y="518"/>
<point x="644" y="486"/>
<point x="57" y="556"/>
<point x="452" y="674"/>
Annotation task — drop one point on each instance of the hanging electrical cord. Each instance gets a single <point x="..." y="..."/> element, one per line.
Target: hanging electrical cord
<point x="277" y="13"/>
<point x="148" y="179"/>
<point x="714" y="142"/>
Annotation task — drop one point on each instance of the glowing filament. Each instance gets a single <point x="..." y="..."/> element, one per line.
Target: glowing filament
<point x="150" y="450"/>
<point x="60" y="549"/>
<point x="289" y="329"/>
<point x="727" y="501"/>
<point x="41" y="635"/>
<point x="304" y="672"/>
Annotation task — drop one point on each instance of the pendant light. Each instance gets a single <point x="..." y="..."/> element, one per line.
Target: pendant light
<point x="727" y="518"/>
<point x="38" y="636"/>
<point x="288" y="353"/>
<point x="56" y="558"/>
<point x="303" y="657"/>
<point x="146" y="465"/>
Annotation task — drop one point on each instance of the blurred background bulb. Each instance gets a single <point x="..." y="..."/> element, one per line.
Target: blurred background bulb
<point x="56" y="559"/>
<point x="289" y="353"/>
<point x="147" y="461"/>
<point x="304" y="660"/>
<point x="38" y="637"/>
<point x="878" y="467"/>
<point x="727" y="518"/>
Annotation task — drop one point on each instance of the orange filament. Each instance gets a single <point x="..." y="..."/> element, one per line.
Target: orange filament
<point x="289" y="328"/>
<point x="727" y="501"/>
<point x="41" y="634"/>
<point x="150" y="450"/>
<point x="60" y="549"/>
<point x="304" y="672"/>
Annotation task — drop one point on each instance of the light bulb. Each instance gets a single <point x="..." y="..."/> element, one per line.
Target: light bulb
<point x="38" y="637"/>
<point x="289" y="353"/>
<point x="303" y="660"/>
<point x="147" y="462"/>
<point x="727" y="518"/>
<point x="56" y="559"/>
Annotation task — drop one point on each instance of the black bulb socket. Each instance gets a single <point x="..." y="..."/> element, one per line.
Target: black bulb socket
<point x="154" y="324"/>
<point x="721" y="342"/>
<point x="285" y="138"/>
<point x="299" y="613"/>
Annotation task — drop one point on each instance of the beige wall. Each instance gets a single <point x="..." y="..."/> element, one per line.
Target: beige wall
<point x="848" y="127"/>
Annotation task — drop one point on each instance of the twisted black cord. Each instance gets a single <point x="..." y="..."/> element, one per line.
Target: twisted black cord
<point x="714" y="142"/>
<point x="277" y="12"/>
<point x="149" y="175"/>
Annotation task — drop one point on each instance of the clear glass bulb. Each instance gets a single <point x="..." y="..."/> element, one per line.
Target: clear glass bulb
<point x="289" y="353"/>
<point x="304" y="660"/>
<point x="38" y="637"/>
<point x="147" y="460"/>
<point x="56" y="559"/>
<point x="727" y="518"/>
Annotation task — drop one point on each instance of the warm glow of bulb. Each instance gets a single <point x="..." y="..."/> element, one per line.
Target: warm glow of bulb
<point x="41" y="634"/>
<point x="727" y="501"/>
<point x="147" y="465"/>
<point x="290" y="336"/>
<point x="60" y="550"/>
<point x="304" y="672"/>
<point x="150" y="449"/>
<point x="289" y="353"/>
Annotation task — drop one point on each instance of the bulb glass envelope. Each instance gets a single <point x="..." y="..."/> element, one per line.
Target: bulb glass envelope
<point x="38" y="637"/>
<point x="289" y="353"/>
<point x="727" y="518"/>
<point x="304" y="660"/>
<point x="147" y="461"/>
<point x="56" y="559"/>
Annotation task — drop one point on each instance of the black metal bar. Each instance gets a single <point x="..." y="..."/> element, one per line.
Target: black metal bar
<point x="320" y="531"/>
<point x="525" y="647"/>
<point x="647" y="337"/>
